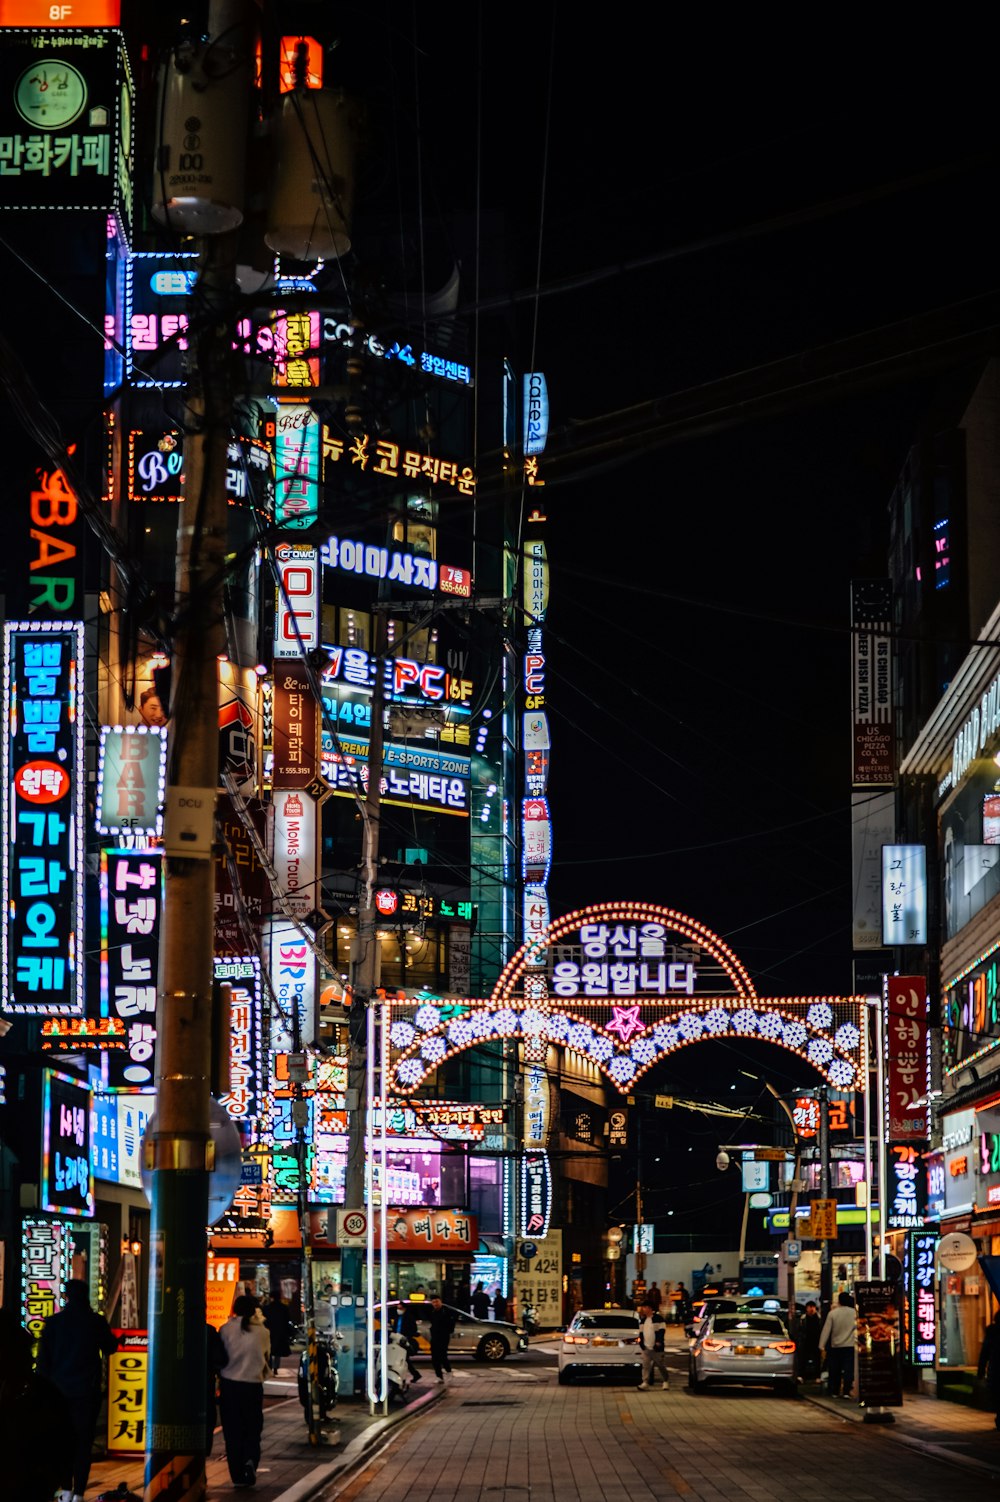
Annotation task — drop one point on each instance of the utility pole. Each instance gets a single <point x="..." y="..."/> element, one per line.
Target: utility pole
<point x="180" y="1148"/>
<point x="826" y="1265"/>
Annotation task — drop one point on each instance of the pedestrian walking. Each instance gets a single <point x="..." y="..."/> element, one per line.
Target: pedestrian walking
<point x="839" y="1339"/>
<point x="35" y="1431"/>
<point x="215" y="1360"/>
<point x="241" y="1388"/>
<point x="442" y="1323"/>
<point x="683" y="1299"/>
<point x="409" y="1330"/>
<point x="806" y="1332"/>
<point x="480" y="1302"/>
<point x="499" y="1305"/>
<point x="989" y="1364"/>
<point x="654" y="1299"/>
<point x="279" y="1328"/>
<point x="652" y="1339"/>
<point x="71" y="1355"/>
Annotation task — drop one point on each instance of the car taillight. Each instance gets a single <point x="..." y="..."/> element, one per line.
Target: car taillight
<point x="708" y="1344"/>
<point x="577" y="1340"/>
<point x="786" y="1347"/>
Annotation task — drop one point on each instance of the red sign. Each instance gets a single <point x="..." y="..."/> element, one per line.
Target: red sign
<point x="42" y="781"/>
<point x="386" y="901"/>
<point x="906" y="1048"/>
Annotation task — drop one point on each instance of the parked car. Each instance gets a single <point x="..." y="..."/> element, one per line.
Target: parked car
<point x="482" y="1339"/>
<point x="742" y="1347"/>
<point x="600" y="1342"/>
<point x="704" y="1307"/>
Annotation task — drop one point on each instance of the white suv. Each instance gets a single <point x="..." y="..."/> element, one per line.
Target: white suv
<point x="601" y="1342"/>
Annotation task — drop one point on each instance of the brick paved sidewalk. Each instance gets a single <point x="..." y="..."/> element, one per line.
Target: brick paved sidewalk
<point x="291" y="1468"/>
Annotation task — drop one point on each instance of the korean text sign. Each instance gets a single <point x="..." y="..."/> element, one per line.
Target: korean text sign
<point x="906" y="1042"/>
<point x="43" y="865"/>
<point x="131" y="908"/>
<point x="128" y="1390"/>
<point x="67" y="1181"/>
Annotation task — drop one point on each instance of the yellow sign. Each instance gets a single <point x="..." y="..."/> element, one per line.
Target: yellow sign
<point x="769" y="1154"/>
<point x="823" y="1220"/>
<point x="663" y="1102"/>
<point x="127" y="1393"/>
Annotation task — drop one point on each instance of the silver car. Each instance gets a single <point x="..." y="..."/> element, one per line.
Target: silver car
<point x="601" y="1342"/>
<point x="742" y="1347"/>
<point x="483" y="1339"/>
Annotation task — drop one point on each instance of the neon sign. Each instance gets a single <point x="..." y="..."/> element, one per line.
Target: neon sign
<point x="923" y="1308"/>
<point x="297" y="617"/>
<point x="67" y="1179"/>
<point x="43" y="858"/>
<point x="243" y="1098"/>
<point x="296" y="499"/>
<point x="536" y="1194"/>
<point x="131" y="909"/>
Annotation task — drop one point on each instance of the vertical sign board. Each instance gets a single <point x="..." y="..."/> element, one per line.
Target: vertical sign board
<point x="297" y="461"/>
<point x="879" y="1345"/>
<point x="239" y="849"/>
<point x="131" y="910"/>
<point x="538" y="1278"/>
<point x="292" y="968"/>
<point x="873" y="824"/>
<point x="131" y="779"/>
<point x="46" y="1260"/>
<point x="67" y="1177"/>
<point x="297" y="615"/>
<point x="536" y="1194"/>
<point x="907" y="1073"/>
<point x="222" y="1276"/>
<point x="906" y="1187"/>
<point x="295" y="727"/>
<point x="243" y="1100"/>
<point x="128" y="1392"/>
<point x="43" y="819"/>
<point x="923" y="1307"/>
<point x="293" y="818"/>
<point x="904" y="894"/>
<point x="872" y="732"/>
<point x="536" y="412"/>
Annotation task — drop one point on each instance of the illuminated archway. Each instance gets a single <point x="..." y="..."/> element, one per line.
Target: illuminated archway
<point x="625" y="985"/>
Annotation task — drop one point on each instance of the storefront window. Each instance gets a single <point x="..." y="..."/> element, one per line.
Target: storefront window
<point x="486" y="1194"/>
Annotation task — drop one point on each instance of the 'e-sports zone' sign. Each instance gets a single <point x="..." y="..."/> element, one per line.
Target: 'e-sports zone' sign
<point x="43" y="818"/>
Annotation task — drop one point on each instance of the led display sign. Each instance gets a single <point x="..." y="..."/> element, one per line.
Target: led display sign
<point x="907" y="1076"/>
<point x="536" y="412"/>
<point x="43" y="856"/>
<point x="131" y="909"/>
<point x="873" y="736"/>
<point x="971" y="1012"/>
<point x="243" y="1099"/>
<point x="292" y="969"/>
<point x="297" y="457"/>
<point x="906" y="1187"/>
<point x="415" y="776"/>
<point x="67" y="1180"/>
<point x="404" y="680"/>
<point x="155" y="469"/>
<point x="46" y="1263"/>
<point x="131" y="779"/>
<point x="923" y="1307"/>
<point x="293" y="817"/>
<point x="373" y="562"/>
<point x="536" y="1194"/>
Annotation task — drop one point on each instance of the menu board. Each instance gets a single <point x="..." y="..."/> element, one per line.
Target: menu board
<point x="879" y="1345"/>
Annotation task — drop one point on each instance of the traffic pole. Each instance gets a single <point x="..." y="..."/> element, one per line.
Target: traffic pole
<point x="179" y="1151"/>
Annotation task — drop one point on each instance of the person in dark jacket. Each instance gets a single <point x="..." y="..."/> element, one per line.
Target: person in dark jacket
<point x="279" y="1324"/>
<point x="71" y="1355"/>
<point x="806" y="1332"/>
<point x="217" y="1357"/>
<point x="480" y="1302"/>
<point x="499" y="1305"/>
<point x="36" y="1443"/>
<point x="442" y="1322"/>
<point x="989" y="1364"/>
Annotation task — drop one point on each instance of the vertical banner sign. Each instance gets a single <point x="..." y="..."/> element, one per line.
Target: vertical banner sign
<point x="238" y="848"/>
<point x="43" y="819"/>
<point x="906" y="1187"/>
<point x="239" y="737"/>
<point x="536" y="412"/>
<point x="872" y="732"/>
<point x="904" y="894"/>
<point x="131" y="910"/>
<point x="538" y="1278"/>
<point x="67" y="1178"/>
<point x="292" y="968"/>
<point x="243" y="1100"/>
<point x="536" y="835"/>
<point x="293" y="818"/>
<point x="297" y="615"/>
<point x="536" y="1194"/>
<point x="906" y="1076"/>
<point x="128" y="1388"/>
<point x="923" y="1308"/>
<point x="295" y="728"/>
<point x="879" y="1346"/>
<point x="297" y="460"/>
<point x="131" y="779"/>
<point x="873" y="824"/>
<point x="46" y="1258"/>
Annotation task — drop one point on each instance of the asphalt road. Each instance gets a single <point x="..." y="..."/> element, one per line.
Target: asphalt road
<point x="510" y="1434"/>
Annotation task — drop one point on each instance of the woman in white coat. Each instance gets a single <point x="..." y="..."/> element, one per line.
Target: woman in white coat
<point x="241" y="1388"/>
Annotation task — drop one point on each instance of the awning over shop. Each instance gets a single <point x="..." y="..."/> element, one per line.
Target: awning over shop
<point x="491" y="1246"/>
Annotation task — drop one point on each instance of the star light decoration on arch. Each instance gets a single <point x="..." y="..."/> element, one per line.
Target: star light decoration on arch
<point x="625" y="1035"/>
